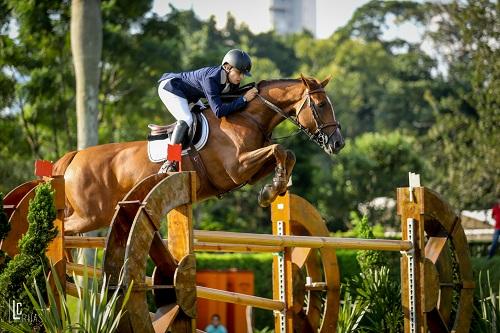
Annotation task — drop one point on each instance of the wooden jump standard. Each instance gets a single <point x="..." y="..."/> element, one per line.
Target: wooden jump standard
<point x="303" y="265"/>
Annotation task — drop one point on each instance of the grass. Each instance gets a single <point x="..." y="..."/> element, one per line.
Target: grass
<point x="483" y="264"/>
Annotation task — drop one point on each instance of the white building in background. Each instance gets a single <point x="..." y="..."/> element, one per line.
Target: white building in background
<point x="290" y="16"/>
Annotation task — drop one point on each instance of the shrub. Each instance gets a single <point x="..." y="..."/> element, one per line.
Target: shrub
<point x="28" y="266"/>
<point x="382" y="297"/>
<point x="352" y="310"/>
<point x="367" y="259"/>
<point x="373" y="290"/>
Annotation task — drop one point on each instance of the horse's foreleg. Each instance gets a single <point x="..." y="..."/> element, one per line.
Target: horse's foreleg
<point x="255" y="164"/>
<point x="271" y="165"/>
<point x="290" y="163"/>
<point x="280" y="181"/>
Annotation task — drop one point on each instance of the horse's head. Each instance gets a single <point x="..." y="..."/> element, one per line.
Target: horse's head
<point x="315" y="113"/>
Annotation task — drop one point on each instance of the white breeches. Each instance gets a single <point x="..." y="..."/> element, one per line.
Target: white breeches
<point x="176" y="105"/>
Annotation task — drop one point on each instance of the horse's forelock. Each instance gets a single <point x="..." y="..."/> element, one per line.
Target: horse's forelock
<point x="313" y="83"/>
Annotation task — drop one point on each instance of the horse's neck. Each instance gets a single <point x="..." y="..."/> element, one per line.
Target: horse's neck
<point x="283" y="95"/>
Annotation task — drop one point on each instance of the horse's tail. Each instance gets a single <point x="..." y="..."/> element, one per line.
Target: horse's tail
<point x="62" y="164"/>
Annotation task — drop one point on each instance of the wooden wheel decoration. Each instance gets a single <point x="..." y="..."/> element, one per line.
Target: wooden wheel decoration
<point x="437" y="281"/>
<point x="16" y="205"/>
<point x="441" y="247"/>
<point x="134" y="237"/>
<point x="315" y="273"/>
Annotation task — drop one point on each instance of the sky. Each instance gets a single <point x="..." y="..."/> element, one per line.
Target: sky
<point x="330" y="14"/>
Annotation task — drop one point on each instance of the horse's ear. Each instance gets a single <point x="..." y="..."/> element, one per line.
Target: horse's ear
<point x="304" y="80"/>
<point x="325" y="81"/>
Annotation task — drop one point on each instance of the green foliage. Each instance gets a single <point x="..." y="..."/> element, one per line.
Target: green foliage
<point x="462" y="144"/>
<point x="348" y="265"/>
<point x="351" y="313"/>
<point x="370" y="166"/>
<point x="264" y="330"/>
<point x="368" y="259"/>
<point x="264" y="69"/>
<point x="41" y="216"/>
<point x="237" y="211"/>
<point x="400" y="110"/>
<point x="369" y="21"/>
<point x="483" y="264"/>
<point x="277" y="49"/>
<point x="370" y="296"/>
<point x="381" y="296"/>
<point x="97" y="312"/>
<point x="29" y="264"/>
<point x="486" y="317"/>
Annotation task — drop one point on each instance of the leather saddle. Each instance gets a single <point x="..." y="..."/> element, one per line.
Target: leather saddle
<point x="161" y="132"/>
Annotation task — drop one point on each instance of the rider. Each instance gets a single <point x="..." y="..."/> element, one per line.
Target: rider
<point x="177" y="90"/>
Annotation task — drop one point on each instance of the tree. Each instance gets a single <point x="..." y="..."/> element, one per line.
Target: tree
<point x="370" y="20"/>
<point x="463" y="144"/>
<point x="86" y="46"/>
<point x="36" y="107"/>
<point x="372" y="165"/>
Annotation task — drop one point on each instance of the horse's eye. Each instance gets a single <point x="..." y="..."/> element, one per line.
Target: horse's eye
<point x="321" y="104"/>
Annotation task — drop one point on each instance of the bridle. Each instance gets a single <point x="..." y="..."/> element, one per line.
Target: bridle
<point x="318" y="136"/>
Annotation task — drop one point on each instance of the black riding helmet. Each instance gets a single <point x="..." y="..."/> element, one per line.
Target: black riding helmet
<point x="238" y="59"/>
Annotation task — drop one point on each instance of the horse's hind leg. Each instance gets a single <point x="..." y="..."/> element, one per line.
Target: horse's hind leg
<point x="75" y="224"/>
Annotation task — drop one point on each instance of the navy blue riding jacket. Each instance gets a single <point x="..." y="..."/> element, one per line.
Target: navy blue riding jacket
<point x="204" y="82"/>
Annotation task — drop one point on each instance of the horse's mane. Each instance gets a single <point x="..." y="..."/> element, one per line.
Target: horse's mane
<point x="266" y="83"/>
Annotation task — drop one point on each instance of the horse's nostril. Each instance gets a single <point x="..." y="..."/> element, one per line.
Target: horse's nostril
<point x="337" y="145"/>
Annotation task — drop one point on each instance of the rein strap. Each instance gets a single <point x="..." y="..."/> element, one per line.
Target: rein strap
<point x="319" y="137"/>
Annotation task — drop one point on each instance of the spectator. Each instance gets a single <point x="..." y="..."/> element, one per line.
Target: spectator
<point x="215" y="326"/>
<point x="495" y="213"/>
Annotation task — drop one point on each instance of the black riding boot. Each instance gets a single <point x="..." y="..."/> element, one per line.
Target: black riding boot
<point x="176" y="138"/>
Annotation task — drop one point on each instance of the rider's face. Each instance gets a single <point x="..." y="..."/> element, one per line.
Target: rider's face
<point x="235" y="76"/>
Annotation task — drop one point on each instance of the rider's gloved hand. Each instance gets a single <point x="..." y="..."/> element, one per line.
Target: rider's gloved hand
<point x="249" y="95"/>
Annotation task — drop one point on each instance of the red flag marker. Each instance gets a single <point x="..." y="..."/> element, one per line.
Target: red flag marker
<point x="174" y="153"/>
<point x="43" y="168"/>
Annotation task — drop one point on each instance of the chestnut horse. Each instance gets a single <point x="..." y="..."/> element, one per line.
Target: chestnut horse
<point x="238" y="151"/>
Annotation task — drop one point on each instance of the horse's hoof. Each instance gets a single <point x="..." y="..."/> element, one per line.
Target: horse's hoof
<point x="266" y="196"/>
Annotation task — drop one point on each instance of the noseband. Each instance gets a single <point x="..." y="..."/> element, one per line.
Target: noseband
<point x="318" y="136"/>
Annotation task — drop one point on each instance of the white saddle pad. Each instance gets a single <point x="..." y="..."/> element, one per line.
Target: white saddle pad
<point x="157" y="149"/>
